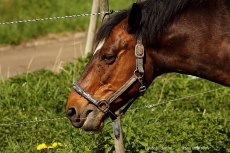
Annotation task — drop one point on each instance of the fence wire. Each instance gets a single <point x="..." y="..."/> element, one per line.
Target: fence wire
<point x="146" y="106"/>
<point x="153" y="105"/>
<point x="17" y="123"/>
<point x="54" y="18"/>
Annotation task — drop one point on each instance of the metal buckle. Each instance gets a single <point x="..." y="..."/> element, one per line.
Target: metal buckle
<point x="139" y="51"/>
<point x="101" y="104"/>
<point x="142" y="89"/>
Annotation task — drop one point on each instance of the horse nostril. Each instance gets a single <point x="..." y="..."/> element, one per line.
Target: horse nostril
<point x="71" y="112"/>
<point x="75" y="118"/>
<point x="88" y="111"/>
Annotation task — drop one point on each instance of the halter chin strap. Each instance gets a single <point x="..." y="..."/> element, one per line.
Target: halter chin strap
<point x="103" y="105"/>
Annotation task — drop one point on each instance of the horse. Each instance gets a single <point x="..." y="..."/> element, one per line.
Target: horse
<point x="138" y="44"/>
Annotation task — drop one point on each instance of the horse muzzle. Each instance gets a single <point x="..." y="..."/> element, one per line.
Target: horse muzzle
<point x="91" y="119"/>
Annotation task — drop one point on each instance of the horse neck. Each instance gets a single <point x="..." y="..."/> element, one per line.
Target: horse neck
<point x="198" y="43"/>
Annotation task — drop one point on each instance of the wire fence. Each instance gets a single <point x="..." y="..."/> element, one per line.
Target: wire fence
<point x="146" y="106"/>
<point x="63" y="17"/>
<point x="153" y="105"/>
<point x="45" y="120"/>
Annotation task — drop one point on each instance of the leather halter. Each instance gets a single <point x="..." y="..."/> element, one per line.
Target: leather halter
<point x="104" y="104"/>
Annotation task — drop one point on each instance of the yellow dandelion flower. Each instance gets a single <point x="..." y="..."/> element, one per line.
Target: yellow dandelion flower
<point x="41" y="146"/>
<point x="56" y="144"/>
<point x="50" y="147"/>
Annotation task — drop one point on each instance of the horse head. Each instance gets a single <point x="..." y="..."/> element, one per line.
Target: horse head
<point x="97" y="94"/>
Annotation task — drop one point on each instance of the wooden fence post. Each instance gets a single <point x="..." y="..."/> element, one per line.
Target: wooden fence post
<point x="92" y="27"/>
<point x="118" y="140"/>
<point x="118" y="137"/>
<point x="104" y="7"/>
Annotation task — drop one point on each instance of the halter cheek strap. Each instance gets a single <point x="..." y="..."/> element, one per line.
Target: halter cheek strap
<point x="103" y="105"/>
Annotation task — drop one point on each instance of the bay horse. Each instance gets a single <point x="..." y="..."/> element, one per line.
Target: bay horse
<point x="138" y="44"/>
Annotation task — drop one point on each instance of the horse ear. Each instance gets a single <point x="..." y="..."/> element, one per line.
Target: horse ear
<point x="134" y="18"/>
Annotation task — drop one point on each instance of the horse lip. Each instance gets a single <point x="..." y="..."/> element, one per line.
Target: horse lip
<point x="77" y="124"/>
<point x="80" y="120"/>
<point x="91" y="119"/>
<point x="89" y="127"/>
<point x="92" y="124"/>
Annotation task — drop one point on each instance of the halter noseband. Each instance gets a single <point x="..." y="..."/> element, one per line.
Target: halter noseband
<point x="103" y="105"/>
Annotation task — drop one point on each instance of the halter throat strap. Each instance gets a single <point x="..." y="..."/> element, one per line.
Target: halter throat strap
<point x="103" y="105"/>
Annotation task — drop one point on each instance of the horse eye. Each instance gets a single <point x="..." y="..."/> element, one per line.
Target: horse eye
<point x="108" y="57"/>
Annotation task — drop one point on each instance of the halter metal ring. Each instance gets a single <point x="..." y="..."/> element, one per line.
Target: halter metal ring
<point x="140" y="75"/>
<point x="142" y="89"/>
<point x="101" y="104"/>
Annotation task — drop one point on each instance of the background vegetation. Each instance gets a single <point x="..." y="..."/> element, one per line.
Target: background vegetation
<point x="199" y="121"/>
<point x="17" y="10"/>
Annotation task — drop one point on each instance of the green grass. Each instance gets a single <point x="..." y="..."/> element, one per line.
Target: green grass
<point x="17" y="10"/>
<point x="199" y="121"/>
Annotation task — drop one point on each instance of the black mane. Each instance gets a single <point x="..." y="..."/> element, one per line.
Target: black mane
<point x="157" y="15"/>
